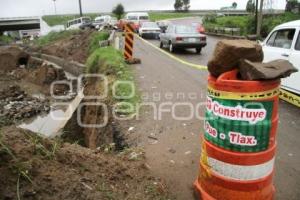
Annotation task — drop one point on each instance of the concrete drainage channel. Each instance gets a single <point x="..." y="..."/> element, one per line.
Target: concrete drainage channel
<point x="62" y="120"/>
<point x="54" y="86"/>
<point x="52" y="124"/>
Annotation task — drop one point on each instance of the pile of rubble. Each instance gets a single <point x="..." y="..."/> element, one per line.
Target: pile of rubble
<point x="15" y="104"/>
<point x="247" y="57"/>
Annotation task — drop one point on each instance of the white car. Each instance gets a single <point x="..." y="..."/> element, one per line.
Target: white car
<point x="284" y="43"/>
<point x="149" y="29"/>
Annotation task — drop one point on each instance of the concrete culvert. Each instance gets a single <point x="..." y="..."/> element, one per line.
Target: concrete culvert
<point x="11" y="58"/>
<point x="23" y="61"/>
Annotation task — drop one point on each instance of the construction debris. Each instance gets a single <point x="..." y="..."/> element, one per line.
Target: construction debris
<point x="15" y="104"/>
<point x="133" y="61"/>
<point x="228" y="53"/>
<point x="266" y="71"/>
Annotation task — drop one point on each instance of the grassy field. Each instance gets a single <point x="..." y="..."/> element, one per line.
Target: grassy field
<point x="53" y="20"/>
<point x="155" y="16"/>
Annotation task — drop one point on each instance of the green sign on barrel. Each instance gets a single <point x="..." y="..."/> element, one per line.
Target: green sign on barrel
<point x="238" y="125"/>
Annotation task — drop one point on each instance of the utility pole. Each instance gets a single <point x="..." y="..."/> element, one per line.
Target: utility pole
<point x="260" y="18"/>
<point x="54" y="1"/>
<point x="80" y="8"/>
<point x="256" y="13"/>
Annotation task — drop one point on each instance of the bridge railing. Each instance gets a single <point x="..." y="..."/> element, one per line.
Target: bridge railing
<point x="225" y="30"/>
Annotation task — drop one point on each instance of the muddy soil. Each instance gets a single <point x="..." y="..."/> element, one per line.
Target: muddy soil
<point x="36" y="168"/>
<point x="74" y="48"/>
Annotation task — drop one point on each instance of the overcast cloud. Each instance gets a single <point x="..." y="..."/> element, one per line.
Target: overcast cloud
<point x="15" y="8"/>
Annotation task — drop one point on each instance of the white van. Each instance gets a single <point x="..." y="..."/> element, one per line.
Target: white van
<point x="76" y="23"/>
<point x="284" y="43"/>
<point x="137" y="18"/>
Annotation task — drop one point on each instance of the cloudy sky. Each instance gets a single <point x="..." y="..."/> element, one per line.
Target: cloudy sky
<point x="14" y="8"/>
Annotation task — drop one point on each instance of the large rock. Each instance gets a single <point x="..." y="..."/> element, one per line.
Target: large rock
<point x="265" y="71"/>
<point x="228" y="53"/>
<point x="12" y="57"/>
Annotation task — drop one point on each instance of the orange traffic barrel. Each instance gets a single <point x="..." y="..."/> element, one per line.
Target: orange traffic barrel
<point x="241" y="115"/>
<point x="239" y="142"/>
<point x="227" y="175"/>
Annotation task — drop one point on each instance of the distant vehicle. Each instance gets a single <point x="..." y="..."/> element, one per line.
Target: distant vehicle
<point x="76" y="23"/>
<point x="284" y="43"/>
<point x="149" y="29"/>
<point x="113" y="22"/>
<point x="182" y="36"/>
<point x="220" y="14"/>
<point x="137" y="18"/>
<point x="102" y="21"/>
<point x="86" y="25"/>
<point x="199" y="27"/>
<point x="163" y="25"/>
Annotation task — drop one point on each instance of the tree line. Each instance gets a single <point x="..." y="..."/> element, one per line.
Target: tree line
<point x="182" y="5"/>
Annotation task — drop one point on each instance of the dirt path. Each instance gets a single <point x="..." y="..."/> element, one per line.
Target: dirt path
<point x="174" y="156"/>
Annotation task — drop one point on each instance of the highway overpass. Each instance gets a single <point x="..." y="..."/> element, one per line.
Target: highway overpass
<point x="19" y="23"/>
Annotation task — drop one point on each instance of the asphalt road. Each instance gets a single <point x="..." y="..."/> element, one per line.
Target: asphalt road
<point x="190" y="54"/>
<point x="174" y="152"/>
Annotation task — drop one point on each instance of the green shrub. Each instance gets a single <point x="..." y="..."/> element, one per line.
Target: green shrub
<point x="271" y="21"/>
<point x="5" y="39"/>
<point x="247" y="23"/>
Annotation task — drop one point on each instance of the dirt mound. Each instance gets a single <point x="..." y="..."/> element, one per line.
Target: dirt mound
<point x="35" y="168"/>
<point x="45" y="74"/>
<point x="74" y="48"/>
<point x="12" y="57"/>
<point x="15" y="104"/>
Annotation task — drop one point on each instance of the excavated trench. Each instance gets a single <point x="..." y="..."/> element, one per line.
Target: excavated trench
<point x="36" y="76"/>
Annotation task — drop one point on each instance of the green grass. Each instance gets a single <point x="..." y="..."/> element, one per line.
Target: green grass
<point x="155" y="16"/>
<point x="5" y="39"/>
<point x="110" y="61"/>
<point x="54" y="36"/>
<point x="96" y="37"/>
